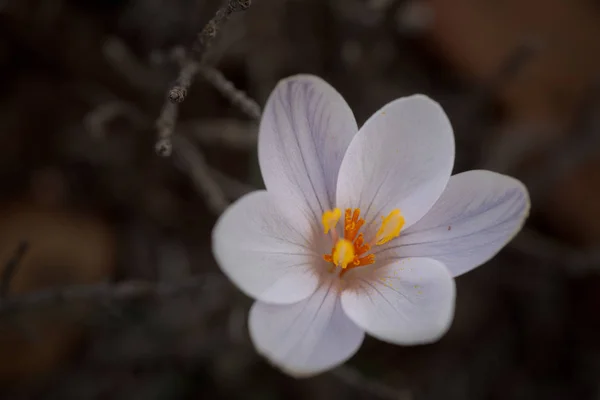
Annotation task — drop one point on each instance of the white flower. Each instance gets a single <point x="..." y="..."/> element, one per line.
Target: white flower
<point x="358" y="230"/>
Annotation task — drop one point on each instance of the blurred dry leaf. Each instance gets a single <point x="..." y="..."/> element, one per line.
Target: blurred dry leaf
<point x="64" y="248"/>
<point x="477" y="37"/>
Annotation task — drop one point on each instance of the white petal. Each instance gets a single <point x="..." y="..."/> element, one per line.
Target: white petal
<point x="407" y="302"/>
<point x="304" y="132"/>
<point x="477" y="215"/>
<point x="401" y="158"/>
<point x="264" y="252"/>
<point x="308" y="337"/>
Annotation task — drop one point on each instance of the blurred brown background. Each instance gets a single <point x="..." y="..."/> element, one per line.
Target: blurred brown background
<point x="108" y="287"/>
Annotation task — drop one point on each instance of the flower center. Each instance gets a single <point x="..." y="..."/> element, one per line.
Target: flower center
<point x="350" y="250"/>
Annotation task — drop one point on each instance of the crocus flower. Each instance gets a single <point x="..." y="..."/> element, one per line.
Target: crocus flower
<point x="358" y="230"/>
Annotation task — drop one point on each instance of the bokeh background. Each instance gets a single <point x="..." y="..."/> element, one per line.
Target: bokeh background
<point x="108" y="289"/>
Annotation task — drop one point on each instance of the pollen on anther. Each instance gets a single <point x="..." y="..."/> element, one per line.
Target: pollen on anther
<point x="390" y="227"/>
<point x="350" y="250"/>
<point x="330" y="219"/>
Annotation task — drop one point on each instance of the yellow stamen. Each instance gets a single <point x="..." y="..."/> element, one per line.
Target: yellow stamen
<point x="351" y="249"/>
<point x="390" y="227"/>
<point x="330" y="219"/>
<point x="343" y="253"/>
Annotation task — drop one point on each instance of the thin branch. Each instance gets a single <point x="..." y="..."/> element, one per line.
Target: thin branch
<point x="541" y="247"/>
<point x="237" y="97"/>
<point x="233" y="188"/>
<point x="123" y="60"/>
<point x="226" y="132"/>
<point x="203" y="41"/>
<point x="166" y="121"/>
<point x="98" y="120"/>
<point x="165" y="126"/>
<point x="11" y="268"/>
<point x="196" y="166"/>
<point x="107" y="292"/>
<point x="235" y="134"/>
<point x="512" y="145"/>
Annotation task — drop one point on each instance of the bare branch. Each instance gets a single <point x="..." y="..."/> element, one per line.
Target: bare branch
<point x="190" y="66"/>
<point x="234" y="134"/>
<point x="97" y="120"/>
<point x="165" y="125"/>
<point x="231" y="133"/>
<point x="106" y="292"/>
<point x="237" y="97"/>
<point x="11" y="268"/>
<point x="196" y="166"/>
<point x="123" y="60"/>
<point x="541" y="247"/>
<point x="203" y="41"/>
<point x="233" y="188"/>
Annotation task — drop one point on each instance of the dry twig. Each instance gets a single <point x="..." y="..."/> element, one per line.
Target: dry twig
<point x="196" y="166"/>
<point x="11" y="268"/>
<point x="165" y="123"/>
<point x="237" y="97"/>
<point x="233" y="188"/>
<point x="543" y="248"/>
<point x="226" y="132"/>
<point x="203" y="41"/>
<point x="102" y="116"/>
<point x="107" y="292"/>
